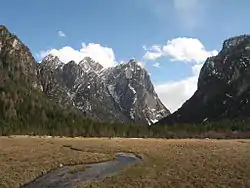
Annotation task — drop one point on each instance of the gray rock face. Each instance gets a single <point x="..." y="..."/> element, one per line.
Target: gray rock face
<point x="223" y="86"/>
<point x="119" y="94"/>
<point x="16" y="59"/>
<point x="132" y="91"/>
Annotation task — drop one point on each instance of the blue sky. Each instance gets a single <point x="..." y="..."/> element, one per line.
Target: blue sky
<point x="171" y="38"/>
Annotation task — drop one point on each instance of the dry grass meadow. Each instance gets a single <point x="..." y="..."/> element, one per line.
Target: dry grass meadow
<point x="167" y="163"/>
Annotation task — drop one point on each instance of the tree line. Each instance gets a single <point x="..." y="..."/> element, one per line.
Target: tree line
<point x="26" y="111"/>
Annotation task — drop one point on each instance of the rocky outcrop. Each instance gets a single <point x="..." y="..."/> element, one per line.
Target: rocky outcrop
<point x="119" y="94"/>
<point x="16" y="61"/>
<point x="223" y="86"/>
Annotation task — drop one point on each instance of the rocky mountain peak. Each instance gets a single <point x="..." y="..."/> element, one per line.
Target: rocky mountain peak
<point x="89" y="65"/>
<point x="223" y="86"/>
<point x="52" y="61"/>
<point x="2" y="27"/>
<point x="131" y="89"/>
<point x="16" y="58"/>
<point x="4" y="32"/>
<point x="229" y="64"/>
<point x="234" y="41"/>
<point x="132" y="70"/>
<point x="7" y="38"/>
<point x="134" y="63"/>
<point x="121" y="93"/>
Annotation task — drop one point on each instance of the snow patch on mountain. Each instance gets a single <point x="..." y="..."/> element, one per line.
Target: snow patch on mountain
<point x="154" y="120"/>
<point x="132" y="110"/>
<point x="112" y="92"/>
<point x="131" y="88"/>
<point x="16" y="44"/>
<point x="91" y="87"/>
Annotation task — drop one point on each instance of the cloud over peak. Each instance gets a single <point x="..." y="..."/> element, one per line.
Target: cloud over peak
<point x="104" y="55"/>
<point x="188" y="50"/>
<point x="180" y="49"/>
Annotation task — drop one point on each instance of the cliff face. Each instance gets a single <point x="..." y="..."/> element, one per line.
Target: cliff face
<point x="119" y="94"/>
<point x="16" y="61"/>
<point x="23" y="105"/>
<point x="223" y="86"/>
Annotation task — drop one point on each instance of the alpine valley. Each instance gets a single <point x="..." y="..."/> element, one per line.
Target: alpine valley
<point x="84" y="98"/>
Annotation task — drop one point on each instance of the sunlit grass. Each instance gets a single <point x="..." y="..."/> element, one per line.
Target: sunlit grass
<point x="166" y="163"/>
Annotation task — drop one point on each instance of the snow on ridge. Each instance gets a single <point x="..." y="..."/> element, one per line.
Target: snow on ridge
<point x="111" y="89"/>
<point x="149" y="122"/>
<point x="131" y="88"/>
<point x="154" y="120"/>
<point x="53" y="60"/>
<point x="132" y="110"/>
<point x="128" y="73"/>
<point x="15" y="44"/>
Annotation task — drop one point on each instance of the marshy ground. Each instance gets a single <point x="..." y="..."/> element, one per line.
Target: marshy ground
<point x="166" y="163"/>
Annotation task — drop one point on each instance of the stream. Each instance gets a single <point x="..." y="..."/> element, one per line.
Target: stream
<point x="62" y="177"/>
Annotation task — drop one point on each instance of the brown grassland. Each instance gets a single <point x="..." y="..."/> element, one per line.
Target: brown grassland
<point x="166" y="163"/>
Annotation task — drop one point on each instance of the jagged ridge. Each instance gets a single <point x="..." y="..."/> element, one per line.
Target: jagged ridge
<point x="123" y="93"/>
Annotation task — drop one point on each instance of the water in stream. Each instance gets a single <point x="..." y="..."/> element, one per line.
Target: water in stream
<point x="62" y="177"/>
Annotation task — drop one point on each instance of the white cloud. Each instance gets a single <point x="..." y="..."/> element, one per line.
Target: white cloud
<point x="153" y="52"/>
<point x="61" y="34"/>
<point x="156" y="65"/>
<point x="180" y="49"/>
<point x="187" y="49"/>
<point x="42" y="54"/>
<point x="142" y="64"/>
<point x="151" y="55"/>
<point x="196" y="69"/>
<point x="104" y="55"/>
<point x="174" y="94"/>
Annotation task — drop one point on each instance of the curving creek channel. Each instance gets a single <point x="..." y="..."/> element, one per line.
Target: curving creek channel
<point x="62" y="177"/>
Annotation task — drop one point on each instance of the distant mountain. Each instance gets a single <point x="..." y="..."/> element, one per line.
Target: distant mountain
<point x="223" y="86"/>
<point x="119" y="94"/>
<point x="23" y="106"/>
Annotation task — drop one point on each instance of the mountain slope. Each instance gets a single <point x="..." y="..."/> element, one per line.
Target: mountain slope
<point x="130" y="87"/>
<point x="119" y="94"/>
<point x="23" y="106"/>
<point x="223" y="86"/>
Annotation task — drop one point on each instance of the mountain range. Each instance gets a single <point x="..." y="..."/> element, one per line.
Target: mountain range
<point x="123" y="93"/>
<point x="72" y="92"/>
<point x="120" y="94"/>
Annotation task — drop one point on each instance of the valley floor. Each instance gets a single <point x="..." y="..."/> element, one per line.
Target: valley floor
<point x="166" y="163"/>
